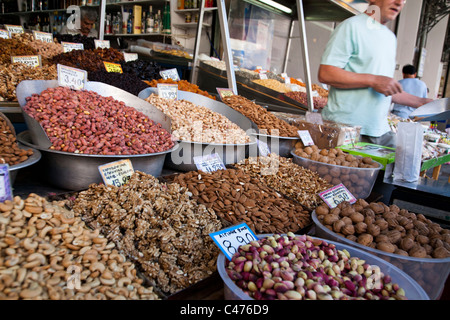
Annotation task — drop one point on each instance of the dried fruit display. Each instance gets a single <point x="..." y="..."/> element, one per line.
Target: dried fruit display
<point x="183" y="85"/>
<point x="125" y="81"/>
<point x="14" y="47"/>
<point x="89" y="60"/>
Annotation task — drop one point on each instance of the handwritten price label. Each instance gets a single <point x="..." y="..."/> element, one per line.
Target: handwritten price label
<point x="113" y="67"/>
<point x="69" y="46"/>
<point x="5" y="183"/>
<point x="31" y="61"/>
<point x="14" y="29"/>
<point x="130" y="56"/>
<point x="116" y="173"/>
<point x="102" y="44"/>
<point x="224" y="92"/>
<point x="305" y="136"/>
<point x="209" y="163"/>
<point x="43" y="36"/>
<point x="170" y="74"/>
<point x="4" y="34"/>
<point x="335" y="195"/>
<point x="71" y="77"/>
<point x="168" y="90"/>
<point x="230" y="239"/>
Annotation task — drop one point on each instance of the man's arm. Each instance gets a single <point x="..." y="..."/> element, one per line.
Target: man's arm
<point x="343" y="79"/>
<point x="410" y="100"/>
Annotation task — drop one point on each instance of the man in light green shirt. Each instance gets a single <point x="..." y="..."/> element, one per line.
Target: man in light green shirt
<point x="358" y="64"/>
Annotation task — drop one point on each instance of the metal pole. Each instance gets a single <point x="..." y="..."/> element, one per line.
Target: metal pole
<point x="225" y="35"/>
<point x="306" y="67"/>
<point x="197" y="42"/>
<point x="101" y="27"/>
<point x="288" y="46"/>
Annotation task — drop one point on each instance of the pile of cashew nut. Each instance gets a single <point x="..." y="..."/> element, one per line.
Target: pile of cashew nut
<point x="46" y="252"/>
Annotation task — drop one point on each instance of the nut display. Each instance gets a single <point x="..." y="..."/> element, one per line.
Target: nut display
<point x="287" y="177"/>
<point x="195" y="123"/>
<point x="319" y="102"/>
<point x="273" y="84"/>
<point x="14" y="47"/>
<point x="47" y="252"/>
<point x="299" y="267"/>
<point x="86" y="122"/>
<point x="10" y="152"/>
<point x="89" y="60"/>
<point x="237" y="197"/>
<point x="157" y="226"/>
<point x="261" y="117"/>
<point x="183" y="85"/>
<point x="46" y="49"/>
<point x="88" y="42"/>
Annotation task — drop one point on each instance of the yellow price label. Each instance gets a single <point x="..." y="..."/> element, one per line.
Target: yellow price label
<point x="113" y="67"/>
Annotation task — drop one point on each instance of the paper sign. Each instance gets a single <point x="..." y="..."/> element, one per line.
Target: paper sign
<point x="335" y="195"/>
<point x="4" y="34"/>
<point x="113" y="67"/>
<point x="5" y="183"/>
<point x="224" y="92"/>
<point x="209" y="163"/>
<point x="103" y="44"/>
<point x="14" y="29"/>
<point x="71" y="77"/>
<point x="313" y="117"/>
<point x="116" y="173"/>
<point x="264" y="149"/>
<point x="306" y="137"/>
<point x="230" y="239"/>
<point x="130" y="56"/>
<point x="69" y="46"/>
<point x="263" y="76"/>
<point x="170" y="74"/>
<point x="168" y="90"/>
<point x="42" y="36"/>
<point x="31" y="61"/>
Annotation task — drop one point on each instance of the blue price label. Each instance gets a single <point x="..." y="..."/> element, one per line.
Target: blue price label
<point x="230" y="239"/>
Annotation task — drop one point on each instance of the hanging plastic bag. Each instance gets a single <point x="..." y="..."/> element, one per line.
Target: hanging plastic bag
<point x="408" y="154"/>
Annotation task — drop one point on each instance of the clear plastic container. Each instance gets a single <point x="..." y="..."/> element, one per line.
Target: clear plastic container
<point x="412" y="289"/>
<point x="429" y="273"/>
<point x="359" y="181"/>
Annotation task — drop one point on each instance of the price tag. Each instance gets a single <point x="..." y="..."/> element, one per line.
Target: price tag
<point x="71" y="77"/>
<point x="116" y="173"/>
<point x="264" y="149"/>
<point x="168" y="90"/>
<point x="113" y="67"/>
<point x="263" y="76"/>
<point x="170" y="74"/>
<point x="224" y="92"/>
<point x="4" y="34"/>
<point x="209" y="163"/>
<point x="130" y="56"/>
<point x="230" y="239"/>
<point x="14" y="29"/>
<point x="335" y="195"/>
<point x="42" y="36"/>
<point x="31" y="61"/>
<point x="5" y="183"/>
<point x="69" y="46"/>
<point x="286" y="78"/>
<point x="103" y="44"/>
<point x="306" y="137"/>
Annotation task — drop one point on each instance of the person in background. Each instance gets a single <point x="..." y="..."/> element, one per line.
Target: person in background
<point x="88" y="16"/>
<point x="358" y="64"/>
<point x="412" y="85"/>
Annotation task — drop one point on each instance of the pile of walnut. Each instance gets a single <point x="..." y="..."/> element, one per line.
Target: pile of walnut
<point x="387" y="228"/>
<point x="157" y="226"/>
<point x="287" y="177"/>
<point x="10" y="152"/>
<point x="46" y="252"/>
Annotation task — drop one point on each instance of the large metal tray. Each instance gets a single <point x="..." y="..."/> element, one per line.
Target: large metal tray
<point x="182" y="159"/>
<point x="436" y="110"/>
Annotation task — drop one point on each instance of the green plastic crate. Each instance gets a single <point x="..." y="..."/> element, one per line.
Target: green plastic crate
<point x="381" y="154"/>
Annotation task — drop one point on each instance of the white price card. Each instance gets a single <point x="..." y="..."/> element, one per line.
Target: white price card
<point x="71" y="77"/>
<point x="335" y="195"/>
<point x="69" y="46"/>
<point x="5" y="183"/>
<point x="224" y="92"/>
<point x="14" y="29"/>
<point x="168" y="90"/>
<point x="170" y="74"/>
<point x="263" y="76"/>
<point x="31" y="61"/>
<point x="209" y="163"/>
<point x="42" y="36"/>
<point x="305" y="136"/>
<point x="230" y="239"/>
<point x="130" y="56"/>
<point x="102" y="44"/>
<point x="263" y="148"/>
<point x="4" y="34"/>
<point x="116" y="173"/>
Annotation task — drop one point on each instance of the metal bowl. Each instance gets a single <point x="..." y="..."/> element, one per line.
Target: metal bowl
<point x="279" y="145"/>
<point x="13" y="170"/>
<point x="182" y="159"/>
<point x="76" y="172"/>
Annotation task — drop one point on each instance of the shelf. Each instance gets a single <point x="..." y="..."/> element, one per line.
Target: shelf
<point x="189" y="25"/>
<point x="194" y="10"/>
<point x="136" y="35"/>
<point x="135" y="2"/>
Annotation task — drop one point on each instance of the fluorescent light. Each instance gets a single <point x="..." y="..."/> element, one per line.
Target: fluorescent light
<point x="277" y="5"/>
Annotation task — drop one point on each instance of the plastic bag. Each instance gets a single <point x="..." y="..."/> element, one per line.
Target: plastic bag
<point x="408" y="154"/>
